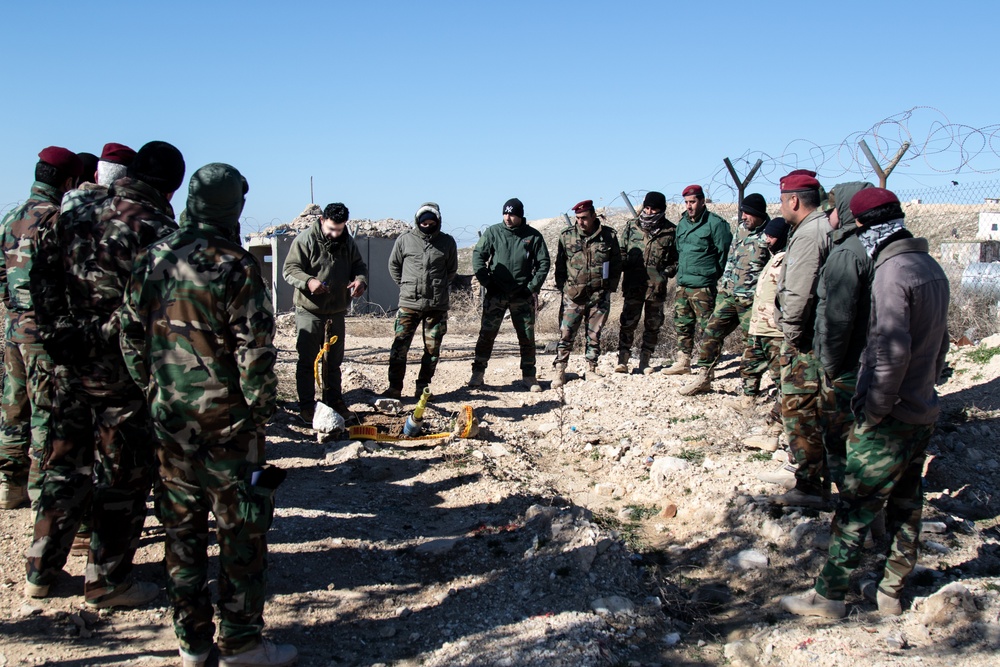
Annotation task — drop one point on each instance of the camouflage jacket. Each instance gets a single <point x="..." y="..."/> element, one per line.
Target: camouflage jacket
<point x="649" y="260"/>
<point x="762" y="316"/>
<point x="197" y="333"/>
<point x="86" y="260"/>
<point x="747" y="257"/>
<point x="19" y="237"/>
<point x="586" y="265"/>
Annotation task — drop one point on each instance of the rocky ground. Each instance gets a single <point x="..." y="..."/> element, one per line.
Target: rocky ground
<point x="611" y="523"/>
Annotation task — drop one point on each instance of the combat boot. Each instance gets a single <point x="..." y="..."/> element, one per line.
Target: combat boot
<point x="193" y="659"/>
<point x="592" y="368"/>
<point x="681" y="367"/>
<point x="530" y="382"/>
<point x="765" y="441"/>
<point x="560" y="378"/>
<point x="135" y="594"/>
<point x="622" y="366"/>
<point x="644" y="366"/>
<point x="477" y="379"/>
<point x="268" y="653"/>
<point x="812" y="603"/>
<point x="701" y="383"/>
<point x="12" y="494"/>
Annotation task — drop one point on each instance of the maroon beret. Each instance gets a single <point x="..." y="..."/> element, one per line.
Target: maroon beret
<point x="693" y="191"/>
<point x="797" y="182"/>
<point x="118" y="153"/>
<point x="870" y="198"/>
<point x="584" y="206"/>
<point x="802" y="172"/>
<point x="62" y="159"/>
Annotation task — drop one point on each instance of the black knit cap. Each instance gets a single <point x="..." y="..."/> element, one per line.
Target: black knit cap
<point x="777" y="228"/>
<point x="89" y="161"/>
<point x="514" y="207"/>
<point x="655" y="200"/>
<point x="159" y="164"/>
<point x="755" y="205"/>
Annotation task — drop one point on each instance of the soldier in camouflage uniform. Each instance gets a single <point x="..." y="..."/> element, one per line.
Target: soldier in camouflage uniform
<point x="703" y="240"/>
<point x="423" y="263"/>
<point x="895" y="408"/>
<point x="78" y="205"/>
<point x="27" y="385"/>
<point x="764" y="338"/>
<point x="808" y="246"/>
<point x="747" y="258"/>
<point x="79" y="285"/>
<point x="844" y="303"/>
<point x="511" y="262"/>
<point x="588" y="268"/>
<point x="197" y="335"/>
<point x="649" y="260"/>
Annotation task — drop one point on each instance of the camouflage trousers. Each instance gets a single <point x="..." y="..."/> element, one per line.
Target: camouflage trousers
<point x="217" y="480"/>
<point x="27" y="402"/>
<point x="110" y="475"/>
<point x="593" y="313"/>
<point x="730" y="312"/>
<point x="838" y="421"/>
<point x="762" y="354"/>
<point x="632" y="309"/>
<point x="435" y="326"/>
<point x="802" y="416"/>
<point x="312" y="332"/>
<point x="885" y="464"/>
<point x="522" y="317"/>
<point x="692" y="308"/>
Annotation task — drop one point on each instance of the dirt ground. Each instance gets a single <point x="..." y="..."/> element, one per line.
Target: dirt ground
<point x="546" y="540"/>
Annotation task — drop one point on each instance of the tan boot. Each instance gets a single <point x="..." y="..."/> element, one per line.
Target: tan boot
<point x="644" y="366"/>
<point x="681" y="367"/>
<point x="701" y="382"/>
<point x="769" y="443"/>
<point x="622" y="366"/>
<point x="560" y="377"/>
<point x="12" y="494"/>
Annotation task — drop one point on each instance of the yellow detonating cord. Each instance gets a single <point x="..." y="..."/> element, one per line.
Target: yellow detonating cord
<point x="323" y="350"/>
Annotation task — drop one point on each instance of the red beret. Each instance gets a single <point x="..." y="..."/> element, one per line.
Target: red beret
<point x="62" y="159"/>
<point x="802" y="172"/>
<point x="797" y="182"/>
<point x="118" y="153"/>
<point x="693" y="191"/>
<point x="584" y="206"/>
<point x="870" y="198"/>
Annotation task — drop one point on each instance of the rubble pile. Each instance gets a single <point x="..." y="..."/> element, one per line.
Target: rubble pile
<point x="388" y="228"/>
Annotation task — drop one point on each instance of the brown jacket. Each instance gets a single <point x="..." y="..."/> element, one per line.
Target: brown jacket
<point x="907" y="336"/>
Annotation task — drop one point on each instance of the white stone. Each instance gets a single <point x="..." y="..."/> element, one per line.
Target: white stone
<point x="613" y="604"/>
<point x="326" y="419"/>
<point x="749" y="559"/>
<point x="344" y="454"/>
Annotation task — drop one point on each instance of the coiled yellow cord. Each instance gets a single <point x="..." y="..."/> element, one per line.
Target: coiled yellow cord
<point x="323" y="350"/>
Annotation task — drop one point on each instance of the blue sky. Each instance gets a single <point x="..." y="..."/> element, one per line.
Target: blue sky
<point x="390" y="104"/>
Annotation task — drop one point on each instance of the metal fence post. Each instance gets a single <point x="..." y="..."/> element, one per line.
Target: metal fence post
<point x="628" y="202"/>
<point x="883" y="174"/>
<point x="741" y="186"/>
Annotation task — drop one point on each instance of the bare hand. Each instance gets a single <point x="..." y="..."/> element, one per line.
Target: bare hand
<point x="357" y="288"/>
<point x="317" y="287"/>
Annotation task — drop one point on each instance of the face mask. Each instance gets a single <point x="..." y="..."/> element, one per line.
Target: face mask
<point x="647" y="222"/>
